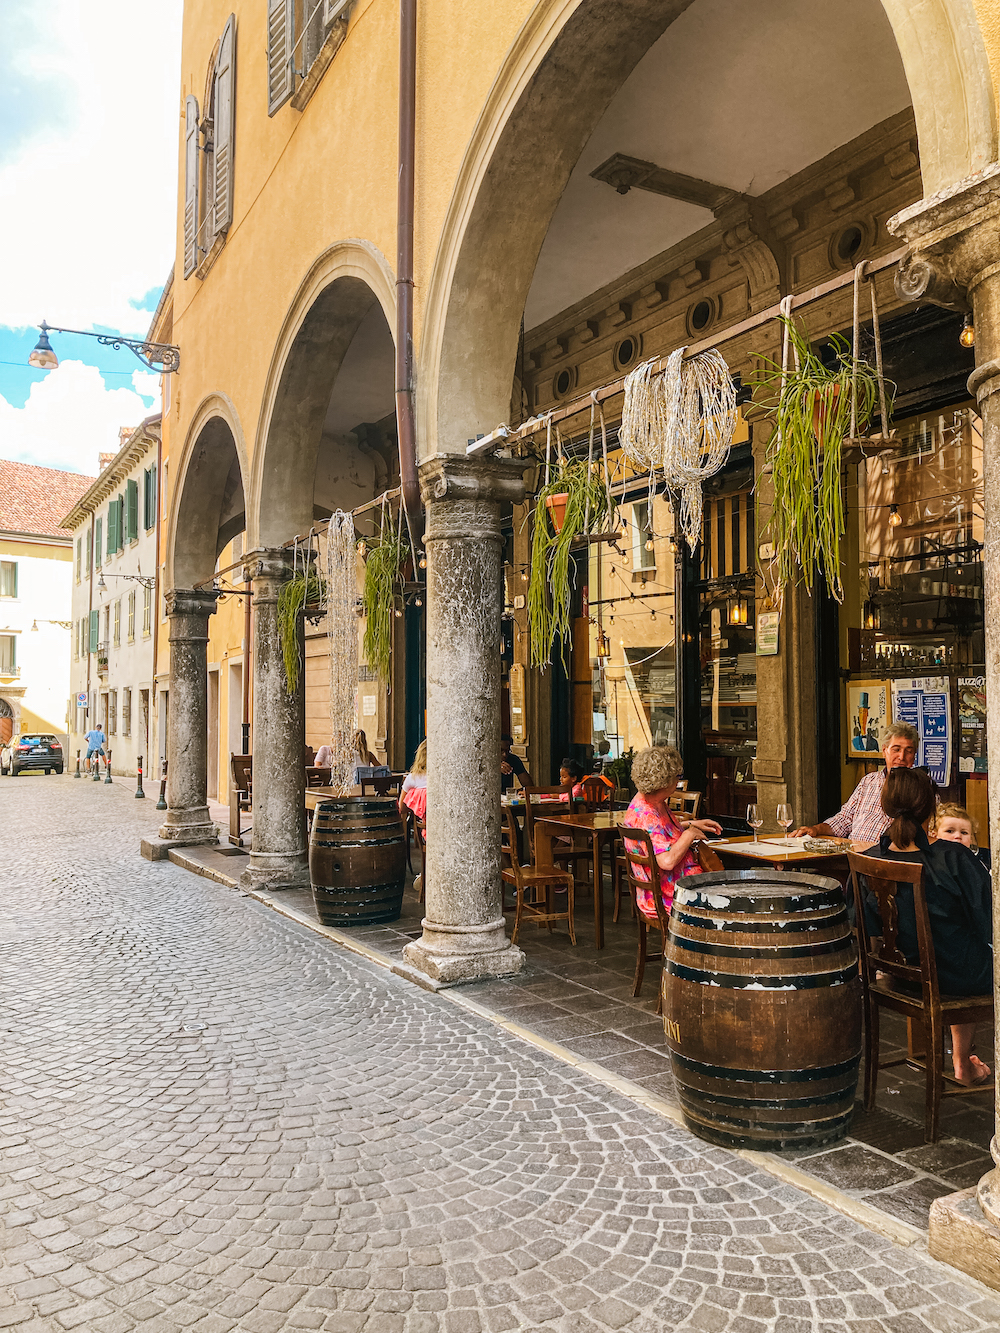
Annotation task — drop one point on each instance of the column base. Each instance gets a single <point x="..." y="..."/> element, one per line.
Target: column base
<point x="453" y="954"/>
<point x="961" y="1235"/>
<point x="187" y="827"/>
<point x="276" y="870"/>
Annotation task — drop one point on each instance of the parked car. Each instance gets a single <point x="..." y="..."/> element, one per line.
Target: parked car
<point x="32" y="750"/>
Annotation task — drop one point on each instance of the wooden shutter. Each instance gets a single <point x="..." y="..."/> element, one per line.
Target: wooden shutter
<point x="191" y="173"/>
<point x="225" y="109"/>
<point x="98" y="529"/>
<point x="131" y="510"/>
<point x="280" y="40"/>
<point x="95" y="629"/>
<point x="149" y="498"/>
<point x="90" y="549"/>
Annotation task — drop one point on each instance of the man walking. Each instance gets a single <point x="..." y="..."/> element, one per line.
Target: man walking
<point x="95" y="747"/>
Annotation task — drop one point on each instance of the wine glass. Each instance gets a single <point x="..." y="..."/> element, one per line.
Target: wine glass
<point x="785" y="818"/>
<point x="755" y="818"/>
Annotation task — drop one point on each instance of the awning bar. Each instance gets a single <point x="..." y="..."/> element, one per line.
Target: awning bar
<point x="510" y="434"/>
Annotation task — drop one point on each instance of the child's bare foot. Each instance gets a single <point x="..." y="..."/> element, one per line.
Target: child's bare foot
<point x="972" y="1071"/>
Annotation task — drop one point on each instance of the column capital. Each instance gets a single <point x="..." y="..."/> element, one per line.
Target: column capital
<point x="269" y="562"/>
<point x="460" y="479"/>
<point x="951" y="240"/>
<point x="191" y="602"/>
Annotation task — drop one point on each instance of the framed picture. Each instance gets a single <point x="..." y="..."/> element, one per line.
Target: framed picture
<point x="869" y="710"/>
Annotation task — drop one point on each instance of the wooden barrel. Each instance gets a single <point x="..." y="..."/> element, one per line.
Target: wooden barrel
<point x="357" y="861"/>
<point x="762" y="1008"/>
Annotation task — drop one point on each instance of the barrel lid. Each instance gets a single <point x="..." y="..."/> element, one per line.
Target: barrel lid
<point x="376" y="805"/>
<point x="757" y="890"/>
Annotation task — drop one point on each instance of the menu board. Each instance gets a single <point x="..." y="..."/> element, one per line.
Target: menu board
<point x="925" y="702"/>
<point x="972" y="724"/>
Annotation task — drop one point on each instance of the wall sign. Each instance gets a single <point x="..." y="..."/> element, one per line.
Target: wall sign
<point x="767" y="633"/>
<point x="972" y="724"/>
<point x="868" y="714"/>
<point x="925" y="702"/>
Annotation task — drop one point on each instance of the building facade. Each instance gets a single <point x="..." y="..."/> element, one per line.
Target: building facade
<point x="113" y="527"/>
<point x="36" y="572"/>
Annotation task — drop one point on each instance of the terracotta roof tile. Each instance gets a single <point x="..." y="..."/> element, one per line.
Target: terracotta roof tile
<point x="35" y="499"/>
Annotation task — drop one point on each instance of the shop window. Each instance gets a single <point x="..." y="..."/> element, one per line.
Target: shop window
<point x="126" y="712"/>
<point x="8" y="578"/>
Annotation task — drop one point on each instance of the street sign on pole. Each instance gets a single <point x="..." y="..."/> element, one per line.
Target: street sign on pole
<point x="81" y="699"/>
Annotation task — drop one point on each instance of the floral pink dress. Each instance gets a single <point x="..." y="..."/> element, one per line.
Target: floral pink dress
<point x="663" y="833"/>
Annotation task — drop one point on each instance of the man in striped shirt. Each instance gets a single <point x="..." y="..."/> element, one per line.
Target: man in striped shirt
<point x="862" y="817"/>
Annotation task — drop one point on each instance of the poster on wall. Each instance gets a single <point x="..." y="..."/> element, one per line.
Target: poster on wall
<point x="972" y="724"/>
<point x="767" y="633"/>
<point x="868" y="704"/>
<point x="925" y="702"/>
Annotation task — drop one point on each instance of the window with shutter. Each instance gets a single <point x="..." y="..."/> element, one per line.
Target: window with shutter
<point x="191" y="171"/>
<point x="79" y="557"/>
<point x="112" y="528"/>
<point x="280" y="39"/>
<point x="225" y="88"/>
<point x="95" y="630"/>
<point x="90" y="548"/>
<point x="98" y="529"/>
<point x="131" y="510"/>
<point x="149" y="497"/>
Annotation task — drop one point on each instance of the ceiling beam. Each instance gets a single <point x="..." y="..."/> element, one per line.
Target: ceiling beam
<point x="625" y="173"/>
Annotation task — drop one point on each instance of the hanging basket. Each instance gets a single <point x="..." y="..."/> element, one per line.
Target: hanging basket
<point x="556" y="505"/>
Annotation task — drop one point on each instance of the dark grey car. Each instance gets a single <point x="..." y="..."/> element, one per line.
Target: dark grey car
<point x="32" y="750"/>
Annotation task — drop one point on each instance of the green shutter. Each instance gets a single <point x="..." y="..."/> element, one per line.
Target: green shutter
<point x="90" y="549"/>
<point x="79" y="557"/>
<point x="149" y="498"/>
<point x="95" y="629"/>
<point x="98" y="529"/>
<point x="131" y="510"/>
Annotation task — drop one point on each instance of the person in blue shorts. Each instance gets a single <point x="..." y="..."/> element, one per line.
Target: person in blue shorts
<point x="95" y="739"/>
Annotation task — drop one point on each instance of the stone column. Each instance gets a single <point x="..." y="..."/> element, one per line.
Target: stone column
<point x="464" y="937"/>
<point x="954" y="260"/>
<point x="187" y="819"/>
<point x="279" y="856"/>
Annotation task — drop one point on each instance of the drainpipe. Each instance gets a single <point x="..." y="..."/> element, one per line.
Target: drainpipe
<point x="405" y="424"/>
<point x="154" y="611"/>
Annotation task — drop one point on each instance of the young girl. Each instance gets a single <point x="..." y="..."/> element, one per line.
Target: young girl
<point x="953" y="823"/>
<point x="414" y="790"/>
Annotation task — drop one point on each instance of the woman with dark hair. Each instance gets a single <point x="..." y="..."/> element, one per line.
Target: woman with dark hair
<point x="957" y="888"/>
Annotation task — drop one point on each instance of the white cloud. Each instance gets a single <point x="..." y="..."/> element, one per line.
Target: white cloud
<point x="70" y="417"/>
<point x="90" y="210"/>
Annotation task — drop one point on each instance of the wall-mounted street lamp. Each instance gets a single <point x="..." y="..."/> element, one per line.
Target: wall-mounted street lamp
<point x="162" y="357"/>
<point x="147" y="580"/>
<point x="63" y="624"/>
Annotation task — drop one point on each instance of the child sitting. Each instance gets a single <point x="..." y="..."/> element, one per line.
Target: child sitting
<point x="953" y="823"/>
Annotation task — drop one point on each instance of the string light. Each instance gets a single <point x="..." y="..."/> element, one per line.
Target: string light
<point x="422" y="562"/>
<point x="895" y="518"/>
<point x="968" y="335"/>
<point x="418" y="601"/>
<point x="399" y="614"/>
<point x="650" y="545"/>
<point x="524" y="576"/>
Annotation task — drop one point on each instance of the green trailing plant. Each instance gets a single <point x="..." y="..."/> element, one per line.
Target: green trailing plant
<point x="549" y="591"/>
<point x="295" y="595"/>
<point x="383" y="570"/>
<point x="811" y="407"/>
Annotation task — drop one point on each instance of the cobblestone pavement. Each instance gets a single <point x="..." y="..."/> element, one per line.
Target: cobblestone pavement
<point x="211" y="1119"/>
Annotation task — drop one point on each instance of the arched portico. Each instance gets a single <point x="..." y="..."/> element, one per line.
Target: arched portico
<point x="325" y="440"/>
<point x="208" y="509"/>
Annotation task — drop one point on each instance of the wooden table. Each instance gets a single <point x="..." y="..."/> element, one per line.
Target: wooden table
<point x="772" y="854"/>
<point x="599" y="828"/>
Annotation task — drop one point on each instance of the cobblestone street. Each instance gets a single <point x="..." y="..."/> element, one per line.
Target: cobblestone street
<point x="212" y="1119"/>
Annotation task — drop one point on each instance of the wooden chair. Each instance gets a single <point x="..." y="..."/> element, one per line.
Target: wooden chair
<point x="240" y="795"/>
<point x="568" y="855"/>
<point x="929" y="1009"/>
<point x="527" y="880"/>
<point x="309" y="757"/>
<point x="317" y="777"/>
<point x="637" y="846"/>
<point x="686" y="803"/>
<point x="386" y="784"/>
<point x="595" y="795"/>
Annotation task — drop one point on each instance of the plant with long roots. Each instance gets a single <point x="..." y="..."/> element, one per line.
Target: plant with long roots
<point x="383" y="569"/>
<point x="810" y="406"/>
<point x="298" y="593"/>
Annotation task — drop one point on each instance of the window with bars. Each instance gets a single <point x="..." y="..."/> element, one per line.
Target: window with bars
<point x="131" y="616"/>
<point x="126" y="712"/>
<point x="147" y="611"/>
<point x="8" y="578"/>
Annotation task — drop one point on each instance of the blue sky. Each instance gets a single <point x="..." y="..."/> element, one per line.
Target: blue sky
<point x="89" y="126"/>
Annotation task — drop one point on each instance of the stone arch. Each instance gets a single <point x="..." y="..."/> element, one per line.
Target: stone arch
<point x="341" y="288"/>
<point x="531" y="132"/>
<point x="208" y="503"/>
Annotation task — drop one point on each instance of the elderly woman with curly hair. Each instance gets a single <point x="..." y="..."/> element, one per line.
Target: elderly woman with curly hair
<point x="655" y="772"/>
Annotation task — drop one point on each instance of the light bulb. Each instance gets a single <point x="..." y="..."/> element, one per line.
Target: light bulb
<point x="650" y="545"/>
<point x="422" y="562"/>
<point x="418" y="601"/>
<point x="399" y="614"/>
<point x="894" y="517"/>
<point x="968" y="335"/>
<point x="524" y="576"/>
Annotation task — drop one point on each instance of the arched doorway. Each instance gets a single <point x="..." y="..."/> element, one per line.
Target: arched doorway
<point x="6" y="721"/>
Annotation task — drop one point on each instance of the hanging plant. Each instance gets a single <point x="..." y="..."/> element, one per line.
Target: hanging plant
<point x="342" y="645"/>
<point x="583" y="504"/>
<point x="299" y="592"/>
<point x="384" y="564"/>
<point x="811" y="406"/>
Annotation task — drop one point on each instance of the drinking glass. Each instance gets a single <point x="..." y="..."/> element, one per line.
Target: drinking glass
<point x="785" y="818"/>
<point x="755" y="818"/>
